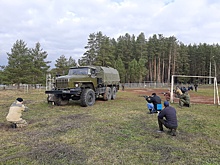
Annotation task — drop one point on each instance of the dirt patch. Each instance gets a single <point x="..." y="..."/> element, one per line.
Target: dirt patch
<point x="195" y="99"/>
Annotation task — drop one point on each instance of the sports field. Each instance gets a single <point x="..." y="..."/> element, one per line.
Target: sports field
<point x="110" y="132"/>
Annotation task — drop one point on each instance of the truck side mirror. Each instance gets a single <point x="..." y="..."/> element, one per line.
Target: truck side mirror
<point x="93" y="73"/>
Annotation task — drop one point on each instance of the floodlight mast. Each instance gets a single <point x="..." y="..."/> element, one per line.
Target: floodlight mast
<point x="215" y="86"/>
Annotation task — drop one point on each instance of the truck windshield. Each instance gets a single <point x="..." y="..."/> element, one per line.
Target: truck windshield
<point x="78" y="71"/>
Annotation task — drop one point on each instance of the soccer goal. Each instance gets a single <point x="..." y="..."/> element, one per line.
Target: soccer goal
<point x="216" y="95"/>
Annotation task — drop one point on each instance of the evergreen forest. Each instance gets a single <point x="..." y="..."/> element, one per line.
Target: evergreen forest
<point x="137" y="58"/>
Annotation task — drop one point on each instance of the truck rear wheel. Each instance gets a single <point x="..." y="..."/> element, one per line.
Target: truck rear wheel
<point x="107" y="95"/>
<point x="113" y="95"/>
<point x="87" y="97"/>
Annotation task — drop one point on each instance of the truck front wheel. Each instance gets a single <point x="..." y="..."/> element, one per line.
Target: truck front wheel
<point x="87" y="97"/>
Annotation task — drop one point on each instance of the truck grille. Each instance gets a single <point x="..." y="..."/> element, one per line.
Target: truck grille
<point x="62" y="83"/>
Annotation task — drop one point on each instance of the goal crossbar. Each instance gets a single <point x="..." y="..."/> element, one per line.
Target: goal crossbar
<point x="210" y="77"/>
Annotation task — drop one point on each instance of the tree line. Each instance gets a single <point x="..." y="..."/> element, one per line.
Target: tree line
<point x="137" y="59"/>
<point x="154" y="59"/>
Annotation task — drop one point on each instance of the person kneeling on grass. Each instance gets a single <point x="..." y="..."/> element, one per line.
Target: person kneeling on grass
<point x="15" y="113"/>
<point x="153" y="100"/>
<point x="184" y="99"/>
<point x="150" y="106"/>
<point x="170" y="121"/>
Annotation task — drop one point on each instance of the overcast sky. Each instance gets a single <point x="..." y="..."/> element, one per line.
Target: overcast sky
<point x="63" y="27"/>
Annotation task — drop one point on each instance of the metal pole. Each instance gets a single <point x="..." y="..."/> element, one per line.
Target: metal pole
<point x="210" y="69"/>
<point x="217" y="90"/>
<point x="215" y="67"/>
<point x="171" y="92"/>
<point x="214" y="89"/>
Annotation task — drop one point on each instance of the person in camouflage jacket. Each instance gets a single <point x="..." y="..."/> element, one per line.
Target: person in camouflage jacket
<point x="184" y="99"/>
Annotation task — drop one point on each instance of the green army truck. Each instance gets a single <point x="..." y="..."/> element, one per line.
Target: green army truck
<point x="85" y="83"/>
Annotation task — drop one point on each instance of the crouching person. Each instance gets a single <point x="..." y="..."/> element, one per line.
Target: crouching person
<point x="184" y="99"/>
<point x="15" y="113"/>
<point x="170" y="121"/>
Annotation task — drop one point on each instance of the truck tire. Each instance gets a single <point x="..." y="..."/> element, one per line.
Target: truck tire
<point x="113" y="94"/>
<point x="107" y="95"/>
<point x="87" y="98"/>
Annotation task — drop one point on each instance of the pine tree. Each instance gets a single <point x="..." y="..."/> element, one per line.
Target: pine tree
<point x="141" y="69"/>
<point x="40" y="66"/>
<point x="104" y="52"/>
<point x="133" y="71"/>
<point x="20" y="64"/>
<point x="62" y="65"/>
<point x="71" y="62"/>
<point x="119" y="65"/>
<point x="2" y="75"/>
<point x="89" y="56"/>
<point x="141" y="47"/>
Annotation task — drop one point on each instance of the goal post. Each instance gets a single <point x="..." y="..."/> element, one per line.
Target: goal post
<point x="216" y="95"/>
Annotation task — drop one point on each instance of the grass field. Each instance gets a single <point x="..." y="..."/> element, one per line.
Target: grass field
<point x="113" y="132"/>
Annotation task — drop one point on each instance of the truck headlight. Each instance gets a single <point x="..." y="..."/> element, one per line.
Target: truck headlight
<point x="76" y="85"/>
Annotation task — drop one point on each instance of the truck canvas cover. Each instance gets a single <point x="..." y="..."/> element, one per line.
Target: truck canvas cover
<point x="110" y="75"/>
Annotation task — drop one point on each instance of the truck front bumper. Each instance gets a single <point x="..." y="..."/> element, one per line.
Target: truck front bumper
<point x="74" y="91"/>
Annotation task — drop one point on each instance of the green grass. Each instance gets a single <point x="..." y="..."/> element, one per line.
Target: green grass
<point x="113" y="132"/>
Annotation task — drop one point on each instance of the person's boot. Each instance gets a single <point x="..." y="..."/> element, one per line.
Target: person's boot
<point x="173" y="132"/>
<point x="13" y="125"/>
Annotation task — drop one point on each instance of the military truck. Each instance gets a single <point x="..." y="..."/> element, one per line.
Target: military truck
<point x="85" y="83"/>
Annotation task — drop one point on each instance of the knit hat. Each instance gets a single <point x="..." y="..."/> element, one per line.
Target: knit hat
<point x="166" y="103"/>
<point x="19" y="99"/>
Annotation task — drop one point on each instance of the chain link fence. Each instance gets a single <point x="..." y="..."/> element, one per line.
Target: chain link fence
<point x="23" y="87"/>
<point x="145" y="85"/>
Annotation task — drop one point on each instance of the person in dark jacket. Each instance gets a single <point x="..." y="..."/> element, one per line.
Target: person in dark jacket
<point x="154" y="99"/>
<point x="150" y="105"/>
<point x="196" y="86"/>
<point x="170" y="121"/>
